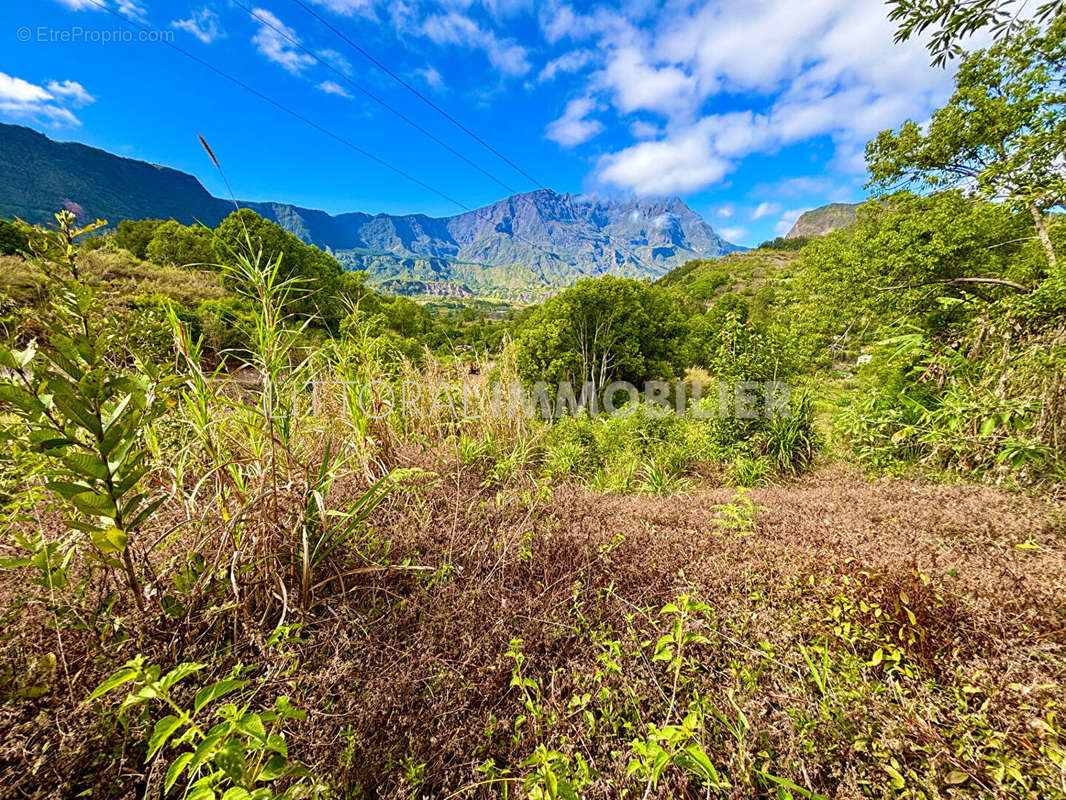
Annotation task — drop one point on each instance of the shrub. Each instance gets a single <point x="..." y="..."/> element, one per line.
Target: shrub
<point x="12" y="238"/>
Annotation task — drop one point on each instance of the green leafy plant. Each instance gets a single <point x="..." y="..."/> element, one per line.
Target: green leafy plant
<point x="556" y="776"/>
<point x="675" y="746"/>
<point x="218" y="749"/>
<point x="686" y="613"/>
<point x="85" y="403"/>
<point x="739" y="515"/>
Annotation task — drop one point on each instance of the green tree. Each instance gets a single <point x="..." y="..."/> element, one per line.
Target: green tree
<point x="174" y="244"/>
<point x="407" y="317"/>
<point x="925" y="259"/>
<point x="600" y="330"/>
<point x="76" y="403"/>
<point x="950" y="21"/>
<point x="12" y="238"/>
<point x="133" y="235"/>
<point x="1002" y="133"/>
<point x="321" y="278"/>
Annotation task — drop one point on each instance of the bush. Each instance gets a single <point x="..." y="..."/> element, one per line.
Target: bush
<point x="134" y="235"/>
<point x="174" y="244"/>
<point x="12" y="238"/>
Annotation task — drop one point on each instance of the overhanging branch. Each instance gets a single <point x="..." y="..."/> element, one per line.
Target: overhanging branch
<point x="959" y="281"/>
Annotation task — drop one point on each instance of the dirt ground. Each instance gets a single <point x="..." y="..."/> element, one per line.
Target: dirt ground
<point x="408" y="681"/>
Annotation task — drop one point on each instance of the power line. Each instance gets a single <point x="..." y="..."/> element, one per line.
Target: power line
<point x="419" y="95"/>
<point x="365" y="153"/>
<point x="286" y="109"/>
<point x="296" y="43"/>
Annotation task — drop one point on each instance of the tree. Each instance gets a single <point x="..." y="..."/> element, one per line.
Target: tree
<point x="133" y="235"/>
<point x="174" y="244"/>
<point x="601" y="330"/>
<point x="931" y="260"/>
<point x="1002" y="134"/>
<point x="321" y="276"/>
<point x="12" y="238"/>
<point x="950" y="21"/>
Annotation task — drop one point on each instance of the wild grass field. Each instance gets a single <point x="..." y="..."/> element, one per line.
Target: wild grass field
<point x="235" y="564"/>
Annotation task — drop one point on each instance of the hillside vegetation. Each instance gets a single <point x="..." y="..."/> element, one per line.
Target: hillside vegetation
<point x="267" y="533"/>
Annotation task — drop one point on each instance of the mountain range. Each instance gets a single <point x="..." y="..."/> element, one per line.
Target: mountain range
<point x="526" y="244"/>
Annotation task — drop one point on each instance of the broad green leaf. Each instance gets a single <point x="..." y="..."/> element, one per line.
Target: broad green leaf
<point x="94" y="504"/>
<point x="112" y="540"/>
<point x="896" y="779"/>
<point x="84" y="464"/>
<point x="277" y="743"/>
<point x="274" y="767"/>
<point x="175" y="770"/>
<point x="252" y="725"/>
<point x="230" y="759"/>
<point x="65" y="399"/>
<point x="209" y="694"/>
<point x="180" y="673"/>
<point x="67" y="490"/>
<point x="124" y="675"/>
<point x="163" y="730"/>
<point x="204" y="750"/>
<point x="14" y="563"/>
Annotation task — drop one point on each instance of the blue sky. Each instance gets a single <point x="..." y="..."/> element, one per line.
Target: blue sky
<point x="751" y="112"/>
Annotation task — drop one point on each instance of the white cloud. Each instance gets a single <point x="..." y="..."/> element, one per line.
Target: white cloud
<point x="132" y="9"/>
<point x="20" y="99"/>
<point x="202" y="23"/>
<point x="332" y="87"/>
<point x="798" y="186"/>
<point x="574" y="61"/>
<point x="456" y="29"/>
<point x="431" y="77"/>
<point x="764" y="210"/>
<point x="691" y="156"/>
<point x="642" y="129"/>
<point x="129" y="8"/>
<point x="638" y="85"/>
<point x="349" y="8"/>
<point x="71" y="91"/>
<point x="683" y="162"/>
<point x="16" y="90"/>
<point x="559" y="20"/>
<point x="80" y="5"/>
<point x="732" y="234"/>
<point x="572" y="128"/>
<point x="788" y="219"/>
<point x="817" y="69"/>
<point x="724" y="211"/>
<point x="275" y="40"/>
<point x="336" y="60"/>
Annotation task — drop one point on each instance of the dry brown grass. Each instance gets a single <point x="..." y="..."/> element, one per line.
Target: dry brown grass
<point x="411" y="669"/>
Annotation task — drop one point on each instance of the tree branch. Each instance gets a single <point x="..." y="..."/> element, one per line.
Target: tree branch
<point x="958" y="281"/>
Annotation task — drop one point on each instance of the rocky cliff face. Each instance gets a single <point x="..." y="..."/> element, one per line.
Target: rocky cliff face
<point x="820" y="221"/>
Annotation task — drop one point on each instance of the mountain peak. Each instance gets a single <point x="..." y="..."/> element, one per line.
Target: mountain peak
<point x="824" y="219"/>
<point x="541" y="239"/>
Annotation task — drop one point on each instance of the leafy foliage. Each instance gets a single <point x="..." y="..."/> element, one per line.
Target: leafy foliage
<point x="599" y="331"/>
<point x="952" y="21"/>
<point x="1001" y="133"/>
<point x="85" y="410"/>
<point x="242" y="756"/>
<point x="13" y="239"/>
